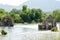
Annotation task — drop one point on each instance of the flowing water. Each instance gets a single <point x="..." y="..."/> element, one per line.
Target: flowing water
<point x="29" y="32"/>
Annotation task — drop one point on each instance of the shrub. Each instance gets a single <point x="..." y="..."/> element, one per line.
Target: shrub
<point x="33" y="22"/>
<point x="3" y="32"/>
<point x="54" y="29"/>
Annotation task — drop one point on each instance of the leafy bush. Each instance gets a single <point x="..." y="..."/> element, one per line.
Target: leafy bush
<point x="33" y="22"/>
<point x="3" y="32"/>
<point x="54" y="29"/>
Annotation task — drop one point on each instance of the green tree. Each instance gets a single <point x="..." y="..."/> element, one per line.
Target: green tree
<point x="25" y="17"/>
<point x="43" y="15"/>
<point x="56" y="15"/>
<point x="36" y="15"/>
<point x="24" y="8"/>
<point x="2" y="13"/>
<point x="15" y="11"/>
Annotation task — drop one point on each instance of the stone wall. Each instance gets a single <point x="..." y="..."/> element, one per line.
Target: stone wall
<point x="6" y="21"/>
<point x="47" y="23"/>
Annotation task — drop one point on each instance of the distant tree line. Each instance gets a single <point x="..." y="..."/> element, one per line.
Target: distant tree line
<point x="27" y="15"/>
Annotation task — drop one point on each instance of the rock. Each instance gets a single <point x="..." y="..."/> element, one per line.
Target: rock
<point x="7" y="21"/>
<point x="47" y="23"/>
<point x="3" y="32"/>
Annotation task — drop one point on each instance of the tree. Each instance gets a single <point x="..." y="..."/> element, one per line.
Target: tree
<point x="25" y="14"/>
<point x="56" y="15"/>
<point x="24" y="8"/>
<point x="2" y="13"/>
<point x="15" y="11"/>
<point x="43" y="15"/>
<point x="25" y="17"/>
<point x="36" y="15"/>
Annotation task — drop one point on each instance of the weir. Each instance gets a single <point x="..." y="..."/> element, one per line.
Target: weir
<point x="48" y="23"/>
<point x="58" y="26"/>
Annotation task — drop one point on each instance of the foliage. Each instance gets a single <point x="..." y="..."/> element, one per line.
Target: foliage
<point x="24" y="8"/>
<point x="33" y="22"/>
<point x="43" y="16"/>
<point x="2" y="13"/>
<point x="56" y="15"/>
<point x="54" y="29"/>
<point x="28" y="15"/>
<point x="3" y="32"/>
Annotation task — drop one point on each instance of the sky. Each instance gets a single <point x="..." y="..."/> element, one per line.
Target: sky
<point x="45" y="5"/>
<point x="12" y="2"/>
<point x="57" y="0"/>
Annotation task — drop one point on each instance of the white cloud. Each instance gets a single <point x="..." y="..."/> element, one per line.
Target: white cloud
<point x="12" y="2"/>
<point x="57" y="0"/>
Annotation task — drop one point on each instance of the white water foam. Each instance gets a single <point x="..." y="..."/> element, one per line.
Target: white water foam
<point x="58" y="26"/>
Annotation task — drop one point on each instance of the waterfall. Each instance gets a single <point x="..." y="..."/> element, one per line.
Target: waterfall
<point x="58" y="26"/>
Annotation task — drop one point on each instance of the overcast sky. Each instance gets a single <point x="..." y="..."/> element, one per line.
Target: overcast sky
<point x="45" y="5"/>
<point x="12" y="2"/>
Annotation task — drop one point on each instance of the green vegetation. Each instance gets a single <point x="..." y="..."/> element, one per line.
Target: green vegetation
<point x="26" y="15"/>
<point x="3" y="32"/>
<point x="56" y="14"/>
<point x="54" y="29"/>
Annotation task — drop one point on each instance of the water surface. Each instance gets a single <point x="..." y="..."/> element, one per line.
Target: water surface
<point x="28" y="32"/>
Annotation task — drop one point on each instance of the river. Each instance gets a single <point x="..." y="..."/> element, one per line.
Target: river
<point x="29" y="32"/>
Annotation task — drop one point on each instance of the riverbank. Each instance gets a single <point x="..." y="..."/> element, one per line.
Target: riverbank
<point x="34" y="23"/>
